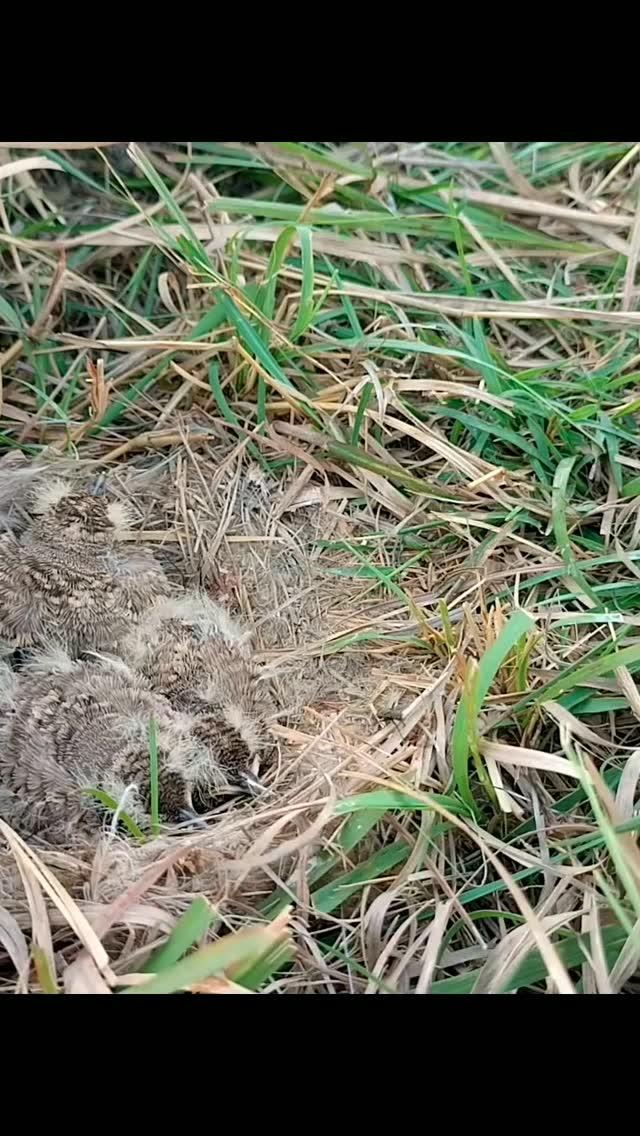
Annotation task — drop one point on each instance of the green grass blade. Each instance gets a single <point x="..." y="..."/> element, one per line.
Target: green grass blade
<point x="326" y="899"/>
<point x="257" y="973"/>
<point x="363" y="403"/>
<point x="305" y="307"/>
<point x="164" y="194"/>
<point x="573" y="951"/>
<point x="253" y="343"/>
<point x="192" y="926"/>
<point x="242" y="949"/>
<point x="603" y="665"/>
<point x="391" y="799"/>
<point x="356" y="827"/>
<point x="9" y="315"/>
<point x="265" y="298"/>
<point x="322" y="158"/>
<point x="123" y="817"/>
<point x="559" y="518"/>
<point x="46" y="978"/>
<point x="465" y="725"/>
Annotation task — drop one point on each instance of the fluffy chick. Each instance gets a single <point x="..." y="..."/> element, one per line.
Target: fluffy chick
<point x="66" y="579"/>
<point x="193" y="652"/>
<point x="66" y="727"/>
<point x="17" y="476"/>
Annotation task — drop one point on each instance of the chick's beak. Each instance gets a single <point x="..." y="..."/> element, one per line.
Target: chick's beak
<point x="97" y="488"/>
<point x="252" y="784"/>
<point x="191" y="816"/>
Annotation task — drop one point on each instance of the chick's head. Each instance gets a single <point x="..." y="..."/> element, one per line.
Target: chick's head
<point x="76" y="516"/>
<point x="227" y="752"/>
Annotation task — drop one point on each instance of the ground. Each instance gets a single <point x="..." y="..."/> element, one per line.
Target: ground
<point x="381" y="399"/>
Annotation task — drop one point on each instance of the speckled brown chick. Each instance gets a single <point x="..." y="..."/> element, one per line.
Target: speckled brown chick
<point x="66" y="727"/>
<point x="67" y="580"/>
<point x="193" y="652"/>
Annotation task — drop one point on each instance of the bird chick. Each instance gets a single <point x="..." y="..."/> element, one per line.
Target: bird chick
<point x="193" y="652"/>
<point x="17" y="476"/>
<point x="67" y="728"/>
<point x="67" y="580"/>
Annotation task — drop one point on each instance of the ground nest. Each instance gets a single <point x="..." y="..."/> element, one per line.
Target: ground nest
<point x="260" y="547"/>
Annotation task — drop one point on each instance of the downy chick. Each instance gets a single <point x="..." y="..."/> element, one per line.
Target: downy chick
<point x="67" y="727"/>
<point x="193" y="652"/>
<point x="72" y="726"/>
<point x="17" y="477"/>
<point x="67" y="580"/>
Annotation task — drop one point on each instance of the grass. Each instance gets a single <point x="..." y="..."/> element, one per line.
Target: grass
<point x="435" y="363"/>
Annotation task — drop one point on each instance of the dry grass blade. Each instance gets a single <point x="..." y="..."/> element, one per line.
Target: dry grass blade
<point x="573" y="725"/>
<point x="627" y="962"/>
<point x="491" y="309"/>
<point x="14" y="943"/>
<point x="632" y="261"/>
<point x="55" y="291"/>
<point x="218" y="986"/>
<point x="23" y="165"/>
<point x="40" y="926"/>
<point x="83" y="977"/>
<point x="123" y="904"/>
<point x="32" y="865"/>
<point x="517" y="179"/>
<point x="504" y="799"/>
<point x="517" y="204"/>
<point x="623" y="846"/>
<point x="258" y="859"/>
<point x="629" y="689"/>
<point x="434" y="943"/>
<point x="459" y="389"/>
<point x="557" y="971"/>
<point x="598" y="963"/>
<point x="505" y="959"/>
<point x="520" y="756"/>
<point x="219" y="236"/>
<point x="628" y="787"/>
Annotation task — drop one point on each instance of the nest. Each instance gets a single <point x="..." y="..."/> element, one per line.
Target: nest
<point x="270" y="551"/>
